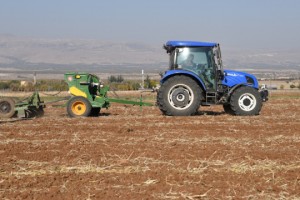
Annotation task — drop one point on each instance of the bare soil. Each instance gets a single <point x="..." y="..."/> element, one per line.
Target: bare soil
<point x="129" y="153"/>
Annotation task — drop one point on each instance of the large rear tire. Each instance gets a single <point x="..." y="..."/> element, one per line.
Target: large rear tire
<point x="79" y="107"/>
<point x="179" y="96"/>
<point x="7" y="108"/>
<point x="245" y="101"/>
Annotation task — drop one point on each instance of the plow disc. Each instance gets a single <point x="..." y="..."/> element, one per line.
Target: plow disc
<point x="34" y="112"/>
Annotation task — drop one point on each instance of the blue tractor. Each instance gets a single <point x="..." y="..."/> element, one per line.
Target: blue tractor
<point x="196" y="77"/>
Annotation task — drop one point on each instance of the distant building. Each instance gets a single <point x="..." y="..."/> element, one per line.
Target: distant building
<point x="24" y="83"/>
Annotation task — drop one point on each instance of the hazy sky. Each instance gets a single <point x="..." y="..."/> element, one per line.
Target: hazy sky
<point x="234" y="23"/>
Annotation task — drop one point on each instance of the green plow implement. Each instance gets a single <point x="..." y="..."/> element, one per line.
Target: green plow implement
<point x="29" y="107"/>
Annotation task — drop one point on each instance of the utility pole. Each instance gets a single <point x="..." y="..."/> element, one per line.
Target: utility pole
<point x="34" y="78"/>
<point x="143" y="79"/>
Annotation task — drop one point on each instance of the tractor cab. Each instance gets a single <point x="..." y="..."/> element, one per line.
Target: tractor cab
<point x="202" y="59"/>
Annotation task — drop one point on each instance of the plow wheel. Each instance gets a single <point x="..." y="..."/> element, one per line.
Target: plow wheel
<point x="7" y="108"/>
<point x="79" y="107"/>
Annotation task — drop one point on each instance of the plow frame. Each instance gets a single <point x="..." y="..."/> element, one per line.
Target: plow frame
<point x="33" y="106"/>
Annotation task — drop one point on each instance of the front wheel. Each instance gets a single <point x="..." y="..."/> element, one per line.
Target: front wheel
<point x="179" y="96"/>
<point x="245" y="101"/>
<point x="79" y="107"/>
<point x="227" y="109"/>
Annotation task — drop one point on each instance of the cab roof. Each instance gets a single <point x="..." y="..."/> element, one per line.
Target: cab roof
<point x="175" y="43"/>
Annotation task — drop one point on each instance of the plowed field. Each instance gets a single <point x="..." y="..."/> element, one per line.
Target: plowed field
<point x="128" y="153"/>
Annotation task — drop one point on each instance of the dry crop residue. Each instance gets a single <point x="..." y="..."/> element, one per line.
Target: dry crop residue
<point x="127" y="153"/>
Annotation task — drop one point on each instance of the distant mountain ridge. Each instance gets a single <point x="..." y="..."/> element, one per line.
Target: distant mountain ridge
<point x="24" y="53"/>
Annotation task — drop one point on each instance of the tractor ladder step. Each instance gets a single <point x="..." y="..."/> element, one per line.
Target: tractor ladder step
<point x="211" y="97"/>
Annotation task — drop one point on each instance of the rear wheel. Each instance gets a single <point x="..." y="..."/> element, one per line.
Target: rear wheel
<point x="7" y="108"/>
<point x="246" y="101"/>
<point x="79" y="107"/>
<point x="179" y="96"/>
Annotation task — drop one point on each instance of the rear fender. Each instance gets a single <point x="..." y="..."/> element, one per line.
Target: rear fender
<point x="194" y="76"/>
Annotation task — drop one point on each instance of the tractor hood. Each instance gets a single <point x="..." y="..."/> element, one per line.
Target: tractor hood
<point x="232" y="78"/>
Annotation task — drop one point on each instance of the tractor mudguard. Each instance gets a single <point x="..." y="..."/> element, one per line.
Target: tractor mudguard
<point x="191" y="74"/>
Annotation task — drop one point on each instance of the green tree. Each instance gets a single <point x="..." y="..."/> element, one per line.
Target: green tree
<point x="115" y="79"/>
<point x="14" y="85"/>
<point x="111" y="79"/>
<point x="120" y="79"/>
<point x="27" y="88"/>
<point x="135" y="86"/>
<point x="4" y="85"/>
<point x="149" y="84"/>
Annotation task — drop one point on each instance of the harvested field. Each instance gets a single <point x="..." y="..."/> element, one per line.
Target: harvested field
<point x="128" y="153"/>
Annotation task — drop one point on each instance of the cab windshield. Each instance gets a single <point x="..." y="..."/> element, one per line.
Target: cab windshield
<point x="199" y="60"/>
